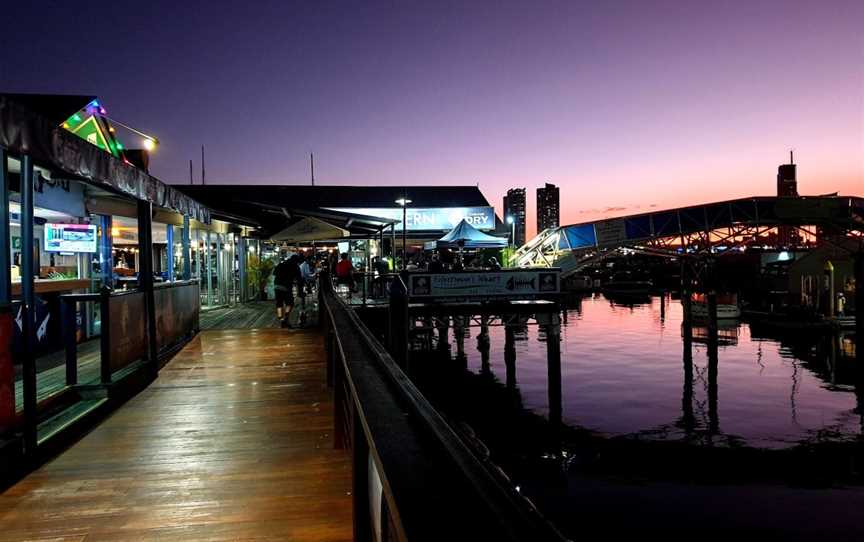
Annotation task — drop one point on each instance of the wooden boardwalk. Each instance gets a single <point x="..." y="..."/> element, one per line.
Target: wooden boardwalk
<point x="233" y="441"/>
<point x="256" y="315"/>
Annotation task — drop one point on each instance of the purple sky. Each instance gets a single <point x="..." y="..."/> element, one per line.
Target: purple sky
<point x="623" y="104"/>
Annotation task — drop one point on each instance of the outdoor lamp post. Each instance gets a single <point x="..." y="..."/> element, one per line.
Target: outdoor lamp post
<point x="512" y="229"/>
<point x="403" y="201"/>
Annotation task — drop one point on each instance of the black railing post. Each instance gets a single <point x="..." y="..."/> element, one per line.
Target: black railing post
<point x="398" y="324"/>
<point x="360" y="479"/>
<point x="340" y="401"/>
<point x="70" y="338"/>
<point x="105" y="335"/>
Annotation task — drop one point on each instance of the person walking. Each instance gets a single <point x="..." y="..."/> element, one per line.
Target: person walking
<point x="285" y="276"/>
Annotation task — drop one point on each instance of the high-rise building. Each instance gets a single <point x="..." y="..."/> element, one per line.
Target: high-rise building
<point x="514" y="205"/>
<point x="787" y="186"/>
<point x="787" y="183"/>
<point x="548" y="207"/>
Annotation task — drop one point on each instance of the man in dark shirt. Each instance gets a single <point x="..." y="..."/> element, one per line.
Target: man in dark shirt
<point x="286" y="274"/>
<point x="435" y="266"/>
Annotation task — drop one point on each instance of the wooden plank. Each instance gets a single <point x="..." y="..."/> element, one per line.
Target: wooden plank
<point x="256" y="315"/>
<point x="232" y="441"/>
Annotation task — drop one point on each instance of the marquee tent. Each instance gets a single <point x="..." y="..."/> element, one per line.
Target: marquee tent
<point x="310" y="229"/>
<point x="464" y="235"/>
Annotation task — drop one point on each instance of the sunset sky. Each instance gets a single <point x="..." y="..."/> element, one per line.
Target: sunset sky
<point x="623" y="104"/>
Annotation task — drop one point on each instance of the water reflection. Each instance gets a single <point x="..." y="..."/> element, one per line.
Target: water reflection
<point x="608" y="392"/>
<point x="614" y="367"/>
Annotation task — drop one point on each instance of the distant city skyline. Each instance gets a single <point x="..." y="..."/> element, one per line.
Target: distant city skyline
<point x="548" y="207"/>
<point x="627" y="106"/>
<point x="515" y="207"/>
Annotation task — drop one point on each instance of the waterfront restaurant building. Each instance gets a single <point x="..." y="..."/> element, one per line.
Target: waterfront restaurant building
<point x="367" y="219"/>
<point x="103" y="269"/>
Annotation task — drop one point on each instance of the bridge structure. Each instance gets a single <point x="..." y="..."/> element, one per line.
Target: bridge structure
<point x="711" y="228"/>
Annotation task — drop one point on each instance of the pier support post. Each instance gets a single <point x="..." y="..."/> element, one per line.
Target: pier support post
<point x="711" y="295"/>
<point x="662" y="307"/>
<point x="442" y="323"/>
<point x="483" y="344"/>
<point x="459" y="332"/>
<point x="510" y="355"/>
<point x="859" y="307"/>
<point x="553" y="359"/>
<point x="686" y="313"/>
<point x="713" y="363"/>
<point x="687" y="417"/>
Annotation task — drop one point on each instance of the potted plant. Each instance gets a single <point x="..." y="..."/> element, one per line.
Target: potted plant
<point x="259" y="272"/>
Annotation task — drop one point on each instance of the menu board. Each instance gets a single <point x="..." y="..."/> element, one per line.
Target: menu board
<point x="70" y="238"/>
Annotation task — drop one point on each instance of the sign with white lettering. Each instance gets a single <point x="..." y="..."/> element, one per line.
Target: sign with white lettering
<point x="513" y="283"/>
<point x="431" y="218"/>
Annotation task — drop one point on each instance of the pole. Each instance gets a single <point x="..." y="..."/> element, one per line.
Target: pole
<point x="5" y="255"/>
<point x="393" y="244"/>
<point x="145" y="278"/>
<point x="190" y="172"/>
<point x="169" y="256"/>
<point x="312" y="167"/>
<point x="241" y="256"/>
<point x="186" y="242"/>
<point x="28" y="302"/>
<point x="404" y="234"/>
<point x="209" y="271"/>
<point x="106" y="255"/>
<point x="203" y="171"/>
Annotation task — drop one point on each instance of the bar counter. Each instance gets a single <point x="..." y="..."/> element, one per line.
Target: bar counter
<point x="44" y="286"/>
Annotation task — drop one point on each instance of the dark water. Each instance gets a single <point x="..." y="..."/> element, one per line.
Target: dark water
<point x="622" y="373"/>
<point x="645" y="438"/>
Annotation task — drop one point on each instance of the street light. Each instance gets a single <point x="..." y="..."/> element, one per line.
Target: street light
<point x="512" y="229"/>
<point x="404" y="201"/>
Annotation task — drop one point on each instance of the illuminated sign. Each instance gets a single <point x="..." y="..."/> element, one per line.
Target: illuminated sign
<point x="431" y="218"/>
<point x="70" y="238"/>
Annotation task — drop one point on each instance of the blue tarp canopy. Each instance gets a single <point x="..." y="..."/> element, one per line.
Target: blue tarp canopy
<point x="465" y="235"/>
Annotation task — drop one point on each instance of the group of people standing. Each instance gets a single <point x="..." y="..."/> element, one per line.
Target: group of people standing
<point x="300" y="272"/>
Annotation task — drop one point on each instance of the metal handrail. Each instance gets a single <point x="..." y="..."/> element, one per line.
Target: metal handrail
<point x="423" y="462"/>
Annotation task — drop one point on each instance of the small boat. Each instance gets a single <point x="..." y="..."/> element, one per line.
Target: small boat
<point x="727" y="306"/>
<point x="624" y="283"/>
